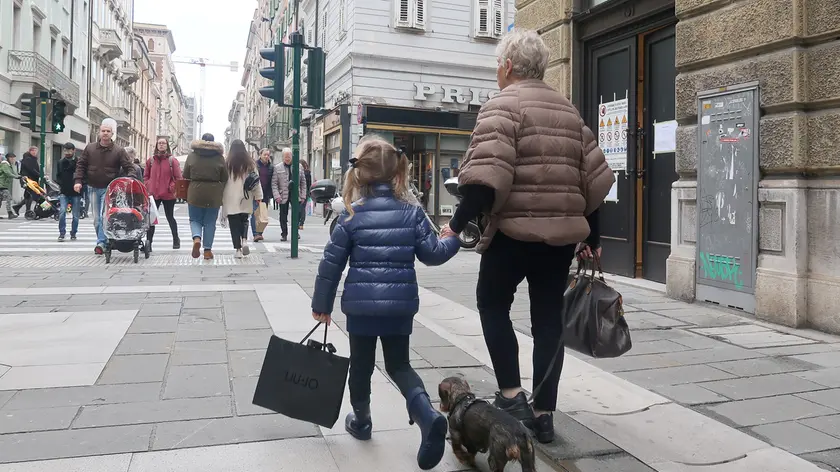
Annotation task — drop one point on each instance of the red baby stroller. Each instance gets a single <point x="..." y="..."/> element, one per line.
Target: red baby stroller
<point x="126" y="217"/>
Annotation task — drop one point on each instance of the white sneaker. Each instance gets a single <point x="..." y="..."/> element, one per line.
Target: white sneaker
<point x="239" y="254"/>
<point x="245" y="249"/>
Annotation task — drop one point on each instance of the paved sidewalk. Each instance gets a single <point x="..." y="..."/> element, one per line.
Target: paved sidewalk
<point x="152" y="368"/>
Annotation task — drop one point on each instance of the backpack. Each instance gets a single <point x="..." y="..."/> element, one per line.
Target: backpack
<point x="251" y="182"/>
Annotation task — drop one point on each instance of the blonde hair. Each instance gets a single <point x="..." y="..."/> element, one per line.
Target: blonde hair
<point x="377" y="161"/>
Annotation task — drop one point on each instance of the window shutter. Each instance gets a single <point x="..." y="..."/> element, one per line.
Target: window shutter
<point x="403" y="12"/>
<point x="483" y="18"/>
<point x="310" y="35"/>
<point x="342" y="25"/>
<point x="498" y="16"/>
<point x="324" y="30"/>
<point x="420" y="14"/>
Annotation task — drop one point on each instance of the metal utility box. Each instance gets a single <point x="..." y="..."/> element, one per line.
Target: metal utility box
<point x="727" y="196"/>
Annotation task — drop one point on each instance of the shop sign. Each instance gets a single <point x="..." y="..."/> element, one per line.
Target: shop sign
<point x="453" y="94"/>
<point x="332" y="119"/>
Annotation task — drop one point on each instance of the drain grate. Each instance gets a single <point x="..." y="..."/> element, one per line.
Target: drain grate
<point x="122" y="260"/>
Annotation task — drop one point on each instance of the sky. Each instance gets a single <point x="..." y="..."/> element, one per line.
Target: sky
<point x="213" y="29"/>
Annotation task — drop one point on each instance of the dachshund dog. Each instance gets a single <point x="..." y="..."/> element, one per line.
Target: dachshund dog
<point x="477" y="426"/>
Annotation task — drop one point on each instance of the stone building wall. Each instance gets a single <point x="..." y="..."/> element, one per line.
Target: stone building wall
<point x="791" y="48"/>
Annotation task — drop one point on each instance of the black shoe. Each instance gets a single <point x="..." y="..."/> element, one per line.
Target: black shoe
<point x="176" y="244"/>
<point x="12" y="215"/>
<point x="517" y="406"/>
<point x="61" y="238"/>
<point x="358" y="423"/>
<point x="283" y="238"/>
<point x="72" y="237"/>
<point x="544" y="428"/>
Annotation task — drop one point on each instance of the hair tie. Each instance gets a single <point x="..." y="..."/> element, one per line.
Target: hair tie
<point x="353" y="161"/>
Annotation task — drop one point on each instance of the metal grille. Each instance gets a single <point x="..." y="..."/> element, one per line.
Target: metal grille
<point x="122" y="260"/>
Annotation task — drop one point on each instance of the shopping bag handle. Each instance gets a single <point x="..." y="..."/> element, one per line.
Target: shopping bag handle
<point x="325" y="346"/>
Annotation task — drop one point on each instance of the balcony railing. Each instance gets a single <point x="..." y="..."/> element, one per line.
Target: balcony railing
<point x="254" y="135"/>
<point x="130" y="72"/>
<point x="110" y="44"/>
<point x="121" y="115"/>
<point x="28" y="66"/>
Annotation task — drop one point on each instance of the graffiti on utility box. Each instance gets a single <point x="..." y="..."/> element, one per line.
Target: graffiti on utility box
<point x="723" y="268"/>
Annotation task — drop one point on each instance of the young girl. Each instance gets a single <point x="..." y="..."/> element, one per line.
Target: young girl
<point x="381" y="234"/>
<point x="236" y="205"/>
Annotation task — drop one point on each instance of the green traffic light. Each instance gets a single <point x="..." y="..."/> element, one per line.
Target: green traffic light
<point x="58" y="114"/>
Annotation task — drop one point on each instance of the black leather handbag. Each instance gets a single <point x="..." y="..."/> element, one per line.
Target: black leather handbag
<point x="594" y="314"/>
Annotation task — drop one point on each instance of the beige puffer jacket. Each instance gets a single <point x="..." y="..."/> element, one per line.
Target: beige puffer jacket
<point x="532" y="147"/>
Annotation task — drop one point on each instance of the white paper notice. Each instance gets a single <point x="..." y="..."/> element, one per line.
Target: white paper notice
<point x="613" y="195"/>
<point x="665" y="137"/>
<point x="612" y="132"/>
<point x="706" y="120"/>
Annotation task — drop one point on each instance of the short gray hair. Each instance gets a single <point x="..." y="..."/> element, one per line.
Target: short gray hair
<point x="110" y="123"/>
<point x="130" y="151"/>
<point x="287" y="150"/>
<point x="526" y="51"/>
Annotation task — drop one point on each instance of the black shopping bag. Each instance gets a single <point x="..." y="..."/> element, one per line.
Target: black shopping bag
<point x="303" y="381"/>
<point x="594" y="315"/>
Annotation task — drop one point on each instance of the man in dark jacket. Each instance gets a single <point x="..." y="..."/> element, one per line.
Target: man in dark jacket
<point x="266" y="170"/>
<point x="101" y="162"/>
<point x="69" y="195"/>
<point x="29" y="167"/>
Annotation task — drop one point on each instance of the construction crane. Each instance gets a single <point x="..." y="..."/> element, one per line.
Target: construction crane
<point x="203" y="63"/>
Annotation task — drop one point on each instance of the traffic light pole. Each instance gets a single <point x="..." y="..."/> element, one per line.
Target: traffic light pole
<point x="297" y="48"/>
<point x="43" y="149"/>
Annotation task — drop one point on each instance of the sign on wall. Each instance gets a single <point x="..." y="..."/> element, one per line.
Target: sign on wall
<point x="612" y="132"/>
<point x="453" y="94"/>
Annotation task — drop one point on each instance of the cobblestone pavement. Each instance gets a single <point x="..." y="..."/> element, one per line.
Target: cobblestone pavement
<point x="152" y="367"/>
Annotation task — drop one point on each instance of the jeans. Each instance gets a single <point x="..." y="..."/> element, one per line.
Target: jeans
<point x="97" y="197"/>
<point x="203" y="224"/>
<point x="238" y="225"/>
<point x="169" y="209"/>
<point x="362" y="358"/>
<point x="62" y="214"/>
<point x="503" y="267"/>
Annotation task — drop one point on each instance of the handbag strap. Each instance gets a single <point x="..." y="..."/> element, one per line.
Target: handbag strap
<point x="326" y="328"/>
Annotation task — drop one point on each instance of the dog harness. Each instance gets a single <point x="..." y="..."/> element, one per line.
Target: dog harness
<point x="456" y="415"/>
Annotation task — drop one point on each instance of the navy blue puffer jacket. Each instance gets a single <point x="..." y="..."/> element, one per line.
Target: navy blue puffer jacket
<point x="381" y="240"/>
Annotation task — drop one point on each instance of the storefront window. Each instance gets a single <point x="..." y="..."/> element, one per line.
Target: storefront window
<point x="5" y="145"/>
<point x="452" y="149"/>
<point x="332" y="163"/>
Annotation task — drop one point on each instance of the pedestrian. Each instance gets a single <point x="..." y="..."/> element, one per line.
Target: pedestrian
<point x="101" y="162"/>
<point x="207" y="172"/>
<point x="541" y="187"/>
<point x="308" y="175"/>
<point x="30" y="167"/>
<point x="238" y="201"/>
<point x="280" y="187"/>
<point x="381" y="234"/>
<point x="266" y="170"/>
<point x="138" y="171"/>
<point x="162" y="171"/>
<point x="69" y="194"/>
<point x="8" y="175"/>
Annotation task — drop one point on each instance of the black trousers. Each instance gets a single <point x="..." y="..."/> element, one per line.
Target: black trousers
<point x="28" y="197"/>
<point x="238" y="225"/>
<point x="363" y="357"/>
<point x="503" y="267"/>
<point x="284" y="219"/>
<point x="169" y="209"/>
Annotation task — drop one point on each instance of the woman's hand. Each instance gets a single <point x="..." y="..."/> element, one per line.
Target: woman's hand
<point x="322" y="318"/>
<point x="584" y="251"/>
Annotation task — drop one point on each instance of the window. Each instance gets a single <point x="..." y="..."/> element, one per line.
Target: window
<point x="64" y="64"/>
<point x="36" y="38"/>
<point x="53" y="51"/>
<point x="489" y="15"/>
<point x="410" y="14"/>
<point x="16" y="28"/>
<point x="310" y="34"/>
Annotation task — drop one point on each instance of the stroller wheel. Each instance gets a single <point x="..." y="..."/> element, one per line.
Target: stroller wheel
<point x="136" y="255"/>
<point x="107" y="257"/>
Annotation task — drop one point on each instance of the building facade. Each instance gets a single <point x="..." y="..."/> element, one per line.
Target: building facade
<point x="144" y="97"/>
<point x="236" y="118"/>
<point x="112" y="66"/>
<point x="43" y="47"/>
<point x="190" y="119"/>
<point x="171" y="114"/>
<point x="413" y="72"/>
<point x="726" y="152"/>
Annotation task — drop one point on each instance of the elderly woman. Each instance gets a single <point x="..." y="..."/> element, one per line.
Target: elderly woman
<point x="535" y="171"/>
<point x="138" y="171"/>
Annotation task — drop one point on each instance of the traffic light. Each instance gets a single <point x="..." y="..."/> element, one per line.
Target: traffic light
<point x="58" y="114"/>
<point x="28" y="112"/>
<point x="275" y="73"/>
<point x="315" y="70"/>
